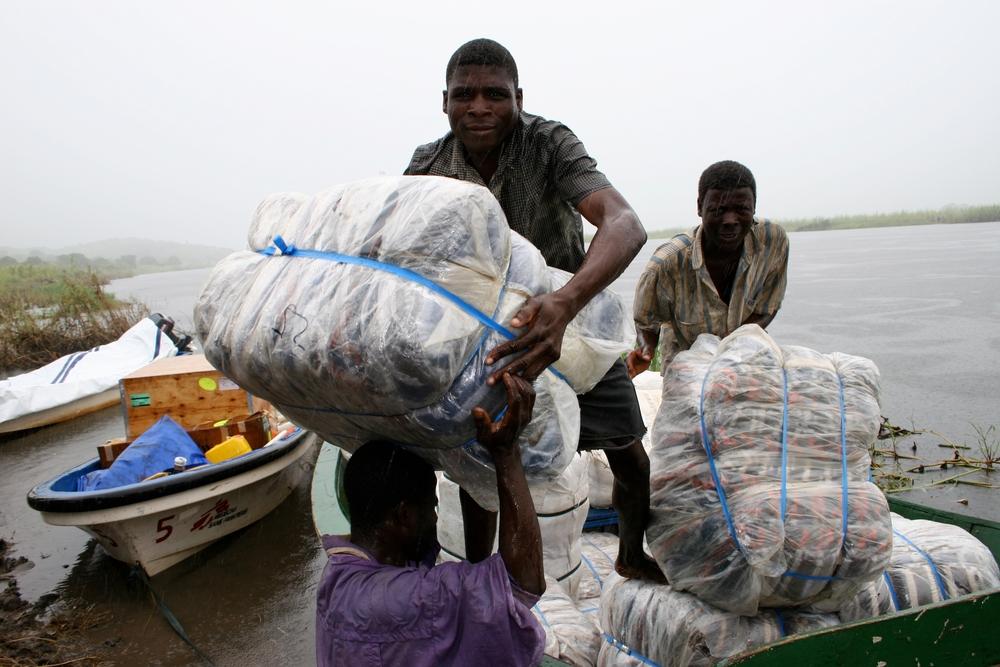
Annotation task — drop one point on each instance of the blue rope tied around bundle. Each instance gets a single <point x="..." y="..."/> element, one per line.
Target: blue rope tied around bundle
<point x="632" y="653"/>
<point x="930" y="561"/>
<point x="281" y="248"/>
<point x="892" y="591"/>
<point x="720" y="490"/>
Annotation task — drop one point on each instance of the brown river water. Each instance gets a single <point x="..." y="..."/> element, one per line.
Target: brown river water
<point x="920" y="301"/>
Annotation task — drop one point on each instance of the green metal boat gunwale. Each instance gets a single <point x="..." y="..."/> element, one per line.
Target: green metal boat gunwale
<point x="954" y="632"/>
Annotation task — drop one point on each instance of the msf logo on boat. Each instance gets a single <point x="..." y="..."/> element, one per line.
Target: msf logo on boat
<point x="219" y="513"/>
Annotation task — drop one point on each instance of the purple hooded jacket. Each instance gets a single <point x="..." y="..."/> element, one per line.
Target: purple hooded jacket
<point x="370" y="615"/>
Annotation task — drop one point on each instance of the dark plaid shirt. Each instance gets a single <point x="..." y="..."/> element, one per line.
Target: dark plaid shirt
<point x="543" y="173"/>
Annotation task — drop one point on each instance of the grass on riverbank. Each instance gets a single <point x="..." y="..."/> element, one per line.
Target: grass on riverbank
<point x="46" y="312"/>
<point x="948" y="215"/>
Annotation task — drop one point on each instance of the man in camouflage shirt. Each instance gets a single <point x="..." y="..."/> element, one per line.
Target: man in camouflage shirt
<point x="729" y="271"/>
<point x="545" y="180"/>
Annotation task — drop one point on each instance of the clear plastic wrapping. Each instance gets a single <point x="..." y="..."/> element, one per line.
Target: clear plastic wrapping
<point x="931" y="562"/>
<point x="342" y="331"/>
<point x="561" y="505"/>
<point x="570" y="636"/>
<point x="757" y="452"/>
<point x="644" y="622"/>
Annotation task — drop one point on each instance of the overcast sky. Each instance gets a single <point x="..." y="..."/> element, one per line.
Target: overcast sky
<point x="172" y="120"/>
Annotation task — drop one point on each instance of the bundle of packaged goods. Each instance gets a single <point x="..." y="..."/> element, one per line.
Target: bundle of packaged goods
<point x="570" y="636"/>
<point x="646" y="623"/>
<point x="561" y="505"/>
<point x="759" y="475"/>
<point x="366" y="312"/>
<point x="931" y="562"/>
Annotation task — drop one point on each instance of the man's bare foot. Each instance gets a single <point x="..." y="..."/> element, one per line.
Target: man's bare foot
<point x="642" y="568"/>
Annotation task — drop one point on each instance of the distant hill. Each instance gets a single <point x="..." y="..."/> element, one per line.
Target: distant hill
<point x="180" y="254"/>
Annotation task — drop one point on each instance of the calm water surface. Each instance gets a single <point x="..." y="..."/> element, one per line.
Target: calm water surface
<point x="920" y="301"/>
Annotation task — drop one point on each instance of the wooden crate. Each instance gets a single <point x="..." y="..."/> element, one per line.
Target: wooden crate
<point x="187" y="388"/>
<point x="256" y="428"/>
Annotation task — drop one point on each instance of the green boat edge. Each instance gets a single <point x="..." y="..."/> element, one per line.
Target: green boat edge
<point x="957" y="631"/>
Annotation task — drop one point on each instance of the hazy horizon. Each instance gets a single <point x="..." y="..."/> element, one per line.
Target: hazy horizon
<point x="173" y="121"/>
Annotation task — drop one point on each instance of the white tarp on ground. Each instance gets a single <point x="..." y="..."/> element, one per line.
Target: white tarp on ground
<point x="931" y="562"/>
<point x="759" y="474"/>
<point x="561" y="505"/>
<point x="357" y="351"/>
<point x="644" y="622"/>
<point x="84" y="373"/>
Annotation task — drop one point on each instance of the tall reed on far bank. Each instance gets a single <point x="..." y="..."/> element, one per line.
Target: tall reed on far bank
<point x="46" y="312"/>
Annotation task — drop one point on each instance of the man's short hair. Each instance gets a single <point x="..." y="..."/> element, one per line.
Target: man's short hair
<point x="482" y="51"/>
<point x="379" y="476"/>
<point x="726" y="175"/>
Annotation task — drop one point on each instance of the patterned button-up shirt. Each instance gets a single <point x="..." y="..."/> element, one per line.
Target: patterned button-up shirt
<point x="676" y="296"/>
<point x="543" y="173"/>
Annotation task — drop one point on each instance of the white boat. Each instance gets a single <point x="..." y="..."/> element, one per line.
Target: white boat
<point x="158" y="523"/>
<point x="84" y="381"/>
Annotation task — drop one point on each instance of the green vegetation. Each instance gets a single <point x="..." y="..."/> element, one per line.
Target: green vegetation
<point x="944" y="216"/>
<point x="49" y="311"/>
<point x="123" y="266"/>
<point x="896" y="467"/>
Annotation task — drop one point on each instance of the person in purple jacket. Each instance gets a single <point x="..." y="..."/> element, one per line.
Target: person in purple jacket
<point x="383" y="601"/>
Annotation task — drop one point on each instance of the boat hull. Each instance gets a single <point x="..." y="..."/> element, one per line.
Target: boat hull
<point x="158" y="533"/>
<point x="61" y="413"/>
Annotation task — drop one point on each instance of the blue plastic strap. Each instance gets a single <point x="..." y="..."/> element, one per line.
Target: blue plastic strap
<point x="930" y="561"/>
<point x="707" y="445"/>
<point x="843" y="475"/>
<point x="781" y="622"/>
<point x="843" y="464"/>
<point x="632" y="653"/>
<point x="541" y="615"/>
<point x="590" y="566"/>
<point x="281" y="248"/>
<point x="892" y="591"/>
<point x="784" y="444"/>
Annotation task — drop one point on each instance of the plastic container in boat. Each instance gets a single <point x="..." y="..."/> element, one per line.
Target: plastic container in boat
<point x="230" y="448"/>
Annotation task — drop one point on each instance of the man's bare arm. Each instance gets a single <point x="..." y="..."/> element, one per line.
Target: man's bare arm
<point x="620" y="236"/>
<point x="520" y="537"/>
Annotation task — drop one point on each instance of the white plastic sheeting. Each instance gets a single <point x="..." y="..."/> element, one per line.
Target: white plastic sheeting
<point x="643" y="622"/>
<point x="931" y="562"/>
<point x="82" y="374"/>
<point x="561" y="505"/>
<point x="351" y="332"/>
<point x="759" y="474"/>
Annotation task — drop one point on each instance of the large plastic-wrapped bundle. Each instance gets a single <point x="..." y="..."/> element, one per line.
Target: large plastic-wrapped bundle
<point x="759" y="474"/>
<point x="598" y="553"/>
<point x="561" y="505"/>
<point x="931" y="562"/>
<point x="570" y="636"/>
<point x="366" y="312"/>
<point x="643" y="622"/>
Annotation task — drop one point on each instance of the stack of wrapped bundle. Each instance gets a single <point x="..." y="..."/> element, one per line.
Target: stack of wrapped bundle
<point x="598" y="552"/>
<point x="759" y="475"/>
<point x="366" y="312"/>
<point x="561" y="505"/>
<point x="645" y="623"/>
<point x="570" y="636"/>
<point x="931" y="562"/>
